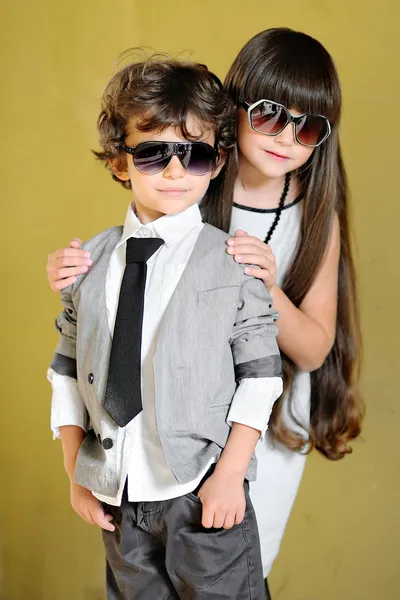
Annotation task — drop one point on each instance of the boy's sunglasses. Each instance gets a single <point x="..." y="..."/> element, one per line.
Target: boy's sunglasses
<point x="271" y="118"/>
<point x="198" y="158"/>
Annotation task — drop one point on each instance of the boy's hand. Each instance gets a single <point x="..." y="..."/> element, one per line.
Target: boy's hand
<point x="89" y="508"/>
<point x="223" y="501"/>
<point x="65" y="264"/>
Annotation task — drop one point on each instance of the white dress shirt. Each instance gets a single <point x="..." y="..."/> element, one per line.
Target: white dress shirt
<point x="149" y="476"/>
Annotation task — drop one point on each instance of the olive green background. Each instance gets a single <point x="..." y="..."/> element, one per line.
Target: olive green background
<point x="56" y="57"/>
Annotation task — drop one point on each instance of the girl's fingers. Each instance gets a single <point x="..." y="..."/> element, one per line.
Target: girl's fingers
<point x="68" y="272"/>
<point x="61" y="252"/>
<point x="61" y="284"/>
<point x="69" y="261"/>
<point x="255" y="259"/>
<point x="263" y="274"/>
<point x="247" y="239"/>
<point x="75" y="243"/>
<point x="250" y="249"/>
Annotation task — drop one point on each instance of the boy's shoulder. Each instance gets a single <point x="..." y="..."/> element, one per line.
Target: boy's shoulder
<point x="215" y="235"/>
<point x="100" y="247"/>
<point x="103" y="241"/>
<point x="215" y="259"/>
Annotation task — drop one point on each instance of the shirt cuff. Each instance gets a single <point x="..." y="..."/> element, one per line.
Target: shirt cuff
<point x="67" y="407"/>
<point x="253" y="401"/>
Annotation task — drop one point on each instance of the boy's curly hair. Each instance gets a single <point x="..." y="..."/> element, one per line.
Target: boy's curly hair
<point x="163" y="92"/>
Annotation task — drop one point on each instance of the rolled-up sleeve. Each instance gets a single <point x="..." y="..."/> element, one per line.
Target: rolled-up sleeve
<point x="253" y="340"/>
<point x="253" y="401"/>
<point x="67" y="406"/>
<point x="64" y="359"/>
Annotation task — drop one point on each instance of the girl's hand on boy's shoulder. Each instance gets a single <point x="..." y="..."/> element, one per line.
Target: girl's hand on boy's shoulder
<point x="89" y="508"/>
<point x="223" y="501"/>
<point x="65" y="264"/>
<point x="253" y="251"/>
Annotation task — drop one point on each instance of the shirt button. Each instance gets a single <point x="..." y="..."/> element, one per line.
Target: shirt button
<point x="146" y="233"/>
<point x="90" y="378"/>
<point x="108" y="444"/>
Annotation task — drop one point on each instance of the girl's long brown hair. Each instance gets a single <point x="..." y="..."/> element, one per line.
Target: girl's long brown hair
<point x="294" y="69"/>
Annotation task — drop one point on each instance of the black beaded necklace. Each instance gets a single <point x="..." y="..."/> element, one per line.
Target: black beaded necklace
<point x="279" y="209"/>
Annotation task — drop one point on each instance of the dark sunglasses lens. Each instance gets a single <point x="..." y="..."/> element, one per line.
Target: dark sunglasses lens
<point x="311" y="131"/>
<point x="198" y="158"/>
<point x="269" y="118"/>
<point x="151" y="158"/>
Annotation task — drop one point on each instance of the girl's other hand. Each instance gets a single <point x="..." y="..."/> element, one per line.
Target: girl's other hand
<point x="251" y="250"/>
<point x="65" y="264"/>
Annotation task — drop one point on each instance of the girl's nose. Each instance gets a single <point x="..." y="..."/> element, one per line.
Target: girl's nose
<point x="286" y="137"/>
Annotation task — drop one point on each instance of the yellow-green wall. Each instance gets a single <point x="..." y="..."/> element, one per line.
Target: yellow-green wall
<point x="342" y="540"/>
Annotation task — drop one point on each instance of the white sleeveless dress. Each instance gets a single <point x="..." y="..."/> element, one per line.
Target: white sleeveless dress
<point x="279" y="469"/>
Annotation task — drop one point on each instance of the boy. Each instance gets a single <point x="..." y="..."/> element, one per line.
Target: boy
<point x="167" y="366"/>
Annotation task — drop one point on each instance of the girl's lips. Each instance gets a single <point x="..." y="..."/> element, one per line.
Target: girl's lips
<point x="276" y="155"/>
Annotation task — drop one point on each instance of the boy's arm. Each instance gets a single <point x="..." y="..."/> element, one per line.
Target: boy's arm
<point x="222" y="494"/>
<point x="82" y="499"/>
<point x="64" y="359"/>
<point x="68" y="407"/>
<point x="253" y="402"/>
<point x="256" y="358"/>
<point x="72" y="438"/>
<point x="258" y="372"/>
<point x="254" y="337"/>
<point x="69" y="417"/>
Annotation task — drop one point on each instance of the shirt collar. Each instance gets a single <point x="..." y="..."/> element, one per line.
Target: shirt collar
<point x="171" y="228"/>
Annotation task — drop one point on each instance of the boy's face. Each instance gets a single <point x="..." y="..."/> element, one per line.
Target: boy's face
<point x="172" y="190"/>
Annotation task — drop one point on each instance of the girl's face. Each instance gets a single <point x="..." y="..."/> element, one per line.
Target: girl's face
<point x="272" y="156"/>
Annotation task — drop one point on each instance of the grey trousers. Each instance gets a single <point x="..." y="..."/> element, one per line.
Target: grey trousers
<point x="160" y="551"/>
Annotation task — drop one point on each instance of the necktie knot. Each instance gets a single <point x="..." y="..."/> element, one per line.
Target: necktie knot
<point x="141" y="249"/>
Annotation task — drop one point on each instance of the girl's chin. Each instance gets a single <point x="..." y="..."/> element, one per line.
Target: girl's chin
<point x="273" y="171"/>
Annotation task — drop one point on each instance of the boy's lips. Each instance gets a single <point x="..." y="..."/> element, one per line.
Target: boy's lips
<point x="173" y="191"/>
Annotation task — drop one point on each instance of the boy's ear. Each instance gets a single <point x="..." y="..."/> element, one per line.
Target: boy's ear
<point x="220" y="163"/>
<point x="119" y="167"/>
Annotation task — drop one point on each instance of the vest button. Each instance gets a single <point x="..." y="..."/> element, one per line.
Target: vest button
<point x="90" y="378"/>
<point x="108" y="444"/>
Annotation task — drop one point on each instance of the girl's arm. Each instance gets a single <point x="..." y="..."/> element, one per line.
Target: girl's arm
<point x="307" y="333"/>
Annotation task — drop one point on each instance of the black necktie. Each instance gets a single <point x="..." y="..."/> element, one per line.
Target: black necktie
<point x="123" y="394"/>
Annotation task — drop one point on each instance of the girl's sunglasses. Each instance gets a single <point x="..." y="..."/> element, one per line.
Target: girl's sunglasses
<point x="198" y="158"/>
<point x="271" y="118"/>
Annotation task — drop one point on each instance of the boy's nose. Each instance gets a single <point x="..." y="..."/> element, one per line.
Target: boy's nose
<point x="174" y="169"/>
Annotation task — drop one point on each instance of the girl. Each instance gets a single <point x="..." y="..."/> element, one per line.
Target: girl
<point x="283" y="193"/>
